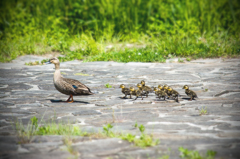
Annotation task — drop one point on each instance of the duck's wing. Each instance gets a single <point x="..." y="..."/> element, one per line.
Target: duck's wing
<point x="78" y="87"/>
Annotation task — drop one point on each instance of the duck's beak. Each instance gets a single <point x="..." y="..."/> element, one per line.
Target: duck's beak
<point x="48" y="62"/>
<point x="183" y="88"/>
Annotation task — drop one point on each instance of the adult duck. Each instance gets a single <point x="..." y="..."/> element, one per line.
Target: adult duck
<point x="68" y="86"/>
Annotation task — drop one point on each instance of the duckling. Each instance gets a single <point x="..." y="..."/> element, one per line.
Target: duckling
<point x="160" y="93"/>
<point x="146" y="89"/>
<point x="161" y="87"/>
<point x="125" y="91"/>
<point x="173" y="93"/>
<point x="138" y="92"/>
<point x="190" y="93"/>
<point x="165" y="87"/>
<point x="68" y="86"/>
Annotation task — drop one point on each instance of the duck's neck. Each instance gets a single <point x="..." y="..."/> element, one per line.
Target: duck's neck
<point x="57" y="74"/>
<point x="57" y="66"/>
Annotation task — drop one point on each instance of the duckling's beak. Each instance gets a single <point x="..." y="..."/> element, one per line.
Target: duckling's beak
<point x="183" y="87"/>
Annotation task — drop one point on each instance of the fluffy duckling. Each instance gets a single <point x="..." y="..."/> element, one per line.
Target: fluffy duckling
<point x="190" y="93"/>
<point x="125" y="91"/>
<point x="146" y="89"/>
<point x="165" y="87"/>
<point x="173" y="93"/>
<point x="160" y="93"/>
<point x="161" y="87"/>
<point x="138" y="92"/>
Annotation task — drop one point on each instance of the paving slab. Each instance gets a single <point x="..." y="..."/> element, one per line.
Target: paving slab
<point x="27" y="91"/>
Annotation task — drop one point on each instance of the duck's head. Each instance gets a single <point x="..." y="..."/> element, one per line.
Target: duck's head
<point x="54" y="60"/>
<point x="131" y="89"/>
<point x="139" y="85"/>
<point x="143" y="82"/>
<point x="165" y="86"/>
<point x="169" y="88"/>
<point x="160" y="86"/>
<point x="122" y="86"/>
<point x="155" y="89"/>
<point x="185" y="87"/>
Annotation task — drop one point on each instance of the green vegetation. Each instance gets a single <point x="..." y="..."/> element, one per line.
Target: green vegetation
<point x="191" y="154"/>
<point x="188" y="59"/>
<point x="81" y="74"/>
<point x="203" y="111"/>
<point x="123" y="30"/>
<point x="25" y="134"/>
<point x="108" y="85"/>
<point x="180" y="60"/>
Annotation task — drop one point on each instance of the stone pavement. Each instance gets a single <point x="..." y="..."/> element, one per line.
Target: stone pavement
<point x="27" y="91"/>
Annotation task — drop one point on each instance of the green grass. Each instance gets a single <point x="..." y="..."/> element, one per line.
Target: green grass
<point x="34" y="127"/>
<point x="191" y="154"/>
<point x="25" y="134"/>
<point x="85" y="30"/>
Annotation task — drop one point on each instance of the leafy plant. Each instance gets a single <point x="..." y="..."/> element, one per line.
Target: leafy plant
<point x="180" y="60"/>
<point x="203" y="111"/>
<point x="136" y="125"/>
<point x="106" y="129"/>
<point x="191" y="154"/>
<point x="108" y="85"/>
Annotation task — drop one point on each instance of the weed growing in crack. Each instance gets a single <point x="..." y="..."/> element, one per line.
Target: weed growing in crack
<point x="25" y="134"/>
<point x="67" y="141"/>
<point x="203" y="111"/>
<point x="191" y="154"/>
<point x="108" y="85"/>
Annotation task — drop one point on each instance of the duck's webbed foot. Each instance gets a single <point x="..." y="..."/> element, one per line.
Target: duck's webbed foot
<point x="68" y="99"/>
<point x="71" y="96"/>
